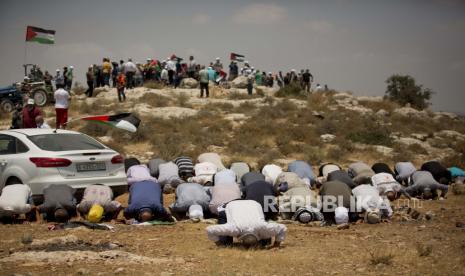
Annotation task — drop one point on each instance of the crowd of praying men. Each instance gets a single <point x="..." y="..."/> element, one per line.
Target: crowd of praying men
<point x="247" y="204"/>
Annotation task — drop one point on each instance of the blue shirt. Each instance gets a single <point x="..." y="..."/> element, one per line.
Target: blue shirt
<point x="456" y="172"/>
<point x="145" y="194"/>
<point x="211" y="74"/>
<point x="302" y="169"/>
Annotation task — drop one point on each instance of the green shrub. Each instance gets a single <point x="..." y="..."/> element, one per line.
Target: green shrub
<point x="292" y="90"/>
<point x="404" y="90"/>
<point x="375" y="136"/>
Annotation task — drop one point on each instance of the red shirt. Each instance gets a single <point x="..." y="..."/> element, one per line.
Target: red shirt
<point x="29" y="117"/>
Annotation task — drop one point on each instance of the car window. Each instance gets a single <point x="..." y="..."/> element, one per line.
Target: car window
<point x="65" y="142"/>
<point x="21" y="147"/>
<point x="11" y="145"/>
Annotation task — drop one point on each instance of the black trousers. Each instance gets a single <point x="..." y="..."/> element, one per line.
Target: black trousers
<point x="130" y="80"/>
<point x="90" y="90"/>
<point x="204" y="86"/>
<point x="170" y="76"/>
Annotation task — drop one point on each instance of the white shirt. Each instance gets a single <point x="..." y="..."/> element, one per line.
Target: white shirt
<point x="164" y="74"/>
<point x="44" y="125"/>
<point x="385" y="182"/>
<point x="203" y="173"/>
<point x="271" y="172"/>
<point x="171" y="65"/>
<point x="368" y="199"/>
<point x="129" y="67"/>
<point x="225" y="177"/>
<point x="329" y="168"/>
<point x="15" y="198"/>
<point x="61" y="98"/>
<point x="246" y="216"/>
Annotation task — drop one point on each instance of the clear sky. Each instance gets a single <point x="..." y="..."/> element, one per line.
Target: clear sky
<point x="349" y="45"/>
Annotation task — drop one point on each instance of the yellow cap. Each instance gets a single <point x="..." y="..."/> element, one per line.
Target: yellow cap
<point x="95" y="213"/>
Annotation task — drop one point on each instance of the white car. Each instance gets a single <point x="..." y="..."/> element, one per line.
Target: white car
<point x="41" y="157"/>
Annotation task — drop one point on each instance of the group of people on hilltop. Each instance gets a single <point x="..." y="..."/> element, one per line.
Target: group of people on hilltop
<point x="63" y="79"/>
<point x="246" y="203"/>
<point x="173" y="69"/>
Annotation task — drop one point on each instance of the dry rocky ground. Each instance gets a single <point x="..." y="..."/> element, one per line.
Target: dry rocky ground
<point x="331" y="126"/>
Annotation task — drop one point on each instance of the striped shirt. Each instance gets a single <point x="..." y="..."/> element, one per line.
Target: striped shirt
<point x="185" y="166"/>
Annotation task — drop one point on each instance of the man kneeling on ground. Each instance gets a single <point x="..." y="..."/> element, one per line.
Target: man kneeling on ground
<point x="98" y="196"/>
<point x="16" y="200"/>
<point x="146" y="202"/>
<point x="244" y="219"/>
<point x="59" y="203"/>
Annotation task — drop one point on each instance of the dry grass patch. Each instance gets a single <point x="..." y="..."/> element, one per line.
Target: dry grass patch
<point x="381" y="257"/>
<point x="424" y="250"/>
<point x="155" y="100"/>
<point x="378" y="105"/>
<point x="154" y="85"/>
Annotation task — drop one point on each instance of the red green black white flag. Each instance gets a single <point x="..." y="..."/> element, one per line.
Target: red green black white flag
<point x="237" y="57"/>
<point x="125" y="121"/>
<point x="34" y="34"/>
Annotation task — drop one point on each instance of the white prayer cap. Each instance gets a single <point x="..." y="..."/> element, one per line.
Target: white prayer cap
<point x="58" y="70"/>
<point x="217" y="58"/>
<point x="30" y="101"/>
<point x="195" y="212"/>
<point x="71" y="67"/>
<point x="252" y="67"/>
<point x="341" y="215"/>
<point x="269" y="73"/>
<point x="293" y="70"/>
<point x="246" y="61"/>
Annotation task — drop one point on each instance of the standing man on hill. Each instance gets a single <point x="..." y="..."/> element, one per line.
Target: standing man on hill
<point x="203" y="78"/>
<point x="307" y="79"/>
<point x="106" y="70"/>
<point x="61" y="107"/>
<point x="191" y="67"/>
<point x="90" y="82"/>
<point x="129" y="69"/>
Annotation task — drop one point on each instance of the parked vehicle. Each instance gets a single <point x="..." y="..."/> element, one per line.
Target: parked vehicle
<point x="9" y="97"/>
<point x="40" y="157"/>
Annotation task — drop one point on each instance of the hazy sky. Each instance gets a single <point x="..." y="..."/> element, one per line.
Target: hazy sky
<point x="349" y="45"/>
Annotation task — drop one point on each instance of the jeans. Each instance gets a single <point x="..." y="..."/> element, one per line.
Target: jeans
<point x="121" y="94"/>
<point x="202" y="87"/>
<point x="106" y="79"/>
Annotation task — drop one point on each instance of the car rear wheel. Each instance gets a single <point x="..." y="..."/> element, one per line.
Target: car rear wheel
<point x="40" y="97"/>
<point x="7" y="106"/>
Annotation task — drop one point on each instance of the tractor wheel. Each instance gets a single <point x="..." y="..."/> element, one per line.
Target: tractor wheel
<point x="40" y="97"/>
<point x="7" y="106"/>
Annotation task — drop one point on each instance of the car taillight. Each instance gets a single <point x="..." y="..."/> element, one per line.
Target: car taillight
<point x="46" y="162"/>
<point x="117" y="159"/>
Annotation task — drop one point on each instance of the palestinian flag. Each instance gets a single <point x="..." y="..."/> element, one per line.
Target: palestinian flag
<point x="126" y="121"/>
<point x="39" y="35"/>
<point x="237" y="57"/>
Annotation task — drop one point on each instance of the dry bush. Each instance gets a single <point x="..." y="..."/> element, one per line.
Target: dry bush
<point x="401" y="153"/>
<point x="227" y="107"/>
<point x="268" y="158"/>
<point x="96" y="129"/>
<point x="97" y="107"/>
<point x="154" y="85"/>
<point x="242" y="96"/>
<point x="155" y="100"/>
<point x="407" y="125"/>
<point x="371" y="136"/>
<point x="424" y="250"/>
<point x="187" y="136"/>
<point x="320" y="100"/>
<point x="259" y="92"/>
<point x="245" y="107"/>
<point x="78" y="89"/>
<point x="293" y="90"/>
<point x="416" y="149"/>
<point x="458" y="158"/>
<point x="269" y="100"/>
<point x="381" y="257"/>
<point x="182" y="100"/>
<point x="118" y="147"/>
<point x="378" y="105"/>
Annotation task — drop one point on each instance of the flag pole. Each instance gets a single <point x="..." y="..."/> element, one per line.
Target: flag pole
<point x="25" y="58"/>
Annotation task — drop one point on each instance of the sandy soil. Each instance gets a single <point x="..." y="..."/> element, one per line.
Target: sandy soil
<point x="184" y="248"/>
